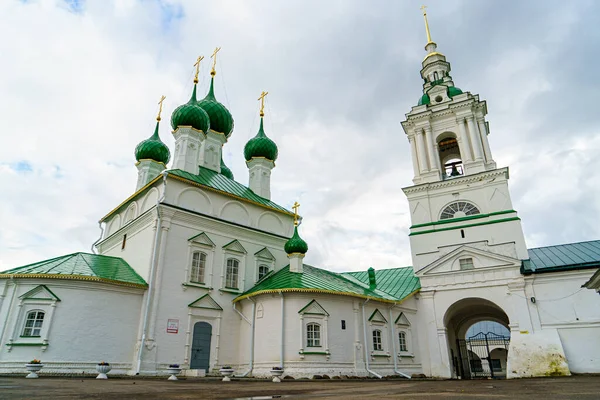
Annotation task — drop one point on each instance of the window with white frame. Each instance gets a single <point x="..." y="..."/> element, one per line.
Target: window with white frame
<point x="313" y="335"/>
<point x="262" y="271"/>
<point x="377" y="343"/>
<point x="198" y="267"/>
<point x="33" y="323"/>
<point x="231" y="274"/>
<point x="466" y="263"/>
<point x="402" y="341"/>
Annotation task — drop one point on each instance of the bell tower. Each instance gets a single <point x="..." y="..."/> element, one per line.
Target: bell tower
<point x="459" y="197"/>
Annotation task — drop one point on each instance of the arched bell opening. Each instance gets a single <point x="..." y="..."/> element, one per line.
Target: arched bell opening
<point x="451" y="160"/>
<point x="478" y="338"/>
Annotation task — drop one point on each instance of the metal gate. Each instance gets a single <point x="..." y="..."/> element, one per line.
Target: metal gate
<point x="482" y="356"/>
<point x="200" y="358"/>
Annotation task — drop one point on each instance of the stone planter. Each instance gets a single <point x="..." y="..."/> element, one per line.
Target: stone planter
<point x="173" y="372"/>
<point x="227" y="373"/>
<point x="276" y="373"/>
<point x="102" y="371"/>
<point x="33" y="369"/>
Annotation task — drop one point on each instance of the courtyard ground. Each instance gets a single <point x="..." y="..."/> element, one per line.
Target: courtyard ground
<point x="577" y="387"/>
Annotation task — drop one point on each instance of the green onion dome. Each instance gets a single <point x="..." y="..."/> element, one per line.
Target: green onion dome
<point x="295" y="244"/>
<point x="225" y="169"/>
<point x="424" y="100"/>
<point x="153" y="149"/>
<point x="220" y="118"/>
<point x="454" y="91"/>
<point x="190" y="114"/>
<point x="260" y="146"/>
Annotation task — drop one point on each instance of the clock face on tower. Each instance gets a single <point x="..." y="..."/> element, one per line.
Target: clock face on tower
<point x="459" y="209"/>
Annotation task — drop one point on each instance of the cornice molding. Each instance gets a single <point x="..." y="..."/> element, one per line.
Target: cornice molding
<point x="456" y="181"/>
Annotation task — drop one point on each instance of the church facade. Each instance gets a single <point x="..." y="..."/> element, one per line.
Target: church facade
<point x="197" y="269"/>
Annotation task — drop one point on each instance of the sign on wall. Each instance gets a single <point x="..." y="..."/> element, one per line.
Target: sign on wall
<point x="173" y="326"/>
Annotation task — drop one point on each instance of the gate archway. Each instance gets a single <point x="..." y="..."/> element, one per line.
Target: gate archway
<point x="473" y="357"/>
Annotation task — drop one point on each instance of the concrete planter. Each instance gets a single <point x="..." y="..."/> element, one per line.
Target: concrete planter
<point x="33" y="369"/>
<point x="173" y="372"/>
<point x="276" y="374"/>
<point x="227" y="373"/>
<point x="102" y="371"/>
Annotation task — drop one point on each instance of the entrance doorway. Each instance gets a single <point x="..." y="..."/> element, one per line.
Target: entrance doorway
<point x="200" y="358"/>
<point x="478" y="337"/>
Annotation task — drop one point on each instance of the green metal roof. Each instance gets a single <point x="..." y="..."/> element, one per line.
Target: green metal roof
<point x="260" y="146"/>
<point x="219" y="182"/>
<point x="295" y="244"/>
<point x="397" y="282"/>
<point x="562" y="257"/>
<point x="317" y="280"/>
<point x="153" y="149"/>
<point x="80" y="266"/>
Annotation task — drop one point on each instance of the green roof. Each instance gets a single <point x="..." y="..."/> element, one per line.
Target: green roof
<point x="190" y="114"/>
<point x="80" y="266"/>
<point x="220" y="118"/>
<point x="260" y="146"/>
<point x="295" y="244"/>
<point x="424" y="100"/>
<point x="398" y="282"/>
<point x="153" y="149"/>
<point x="562" y="257"/>
<point x="219" y="182"/>
<point x="317" y="280"/>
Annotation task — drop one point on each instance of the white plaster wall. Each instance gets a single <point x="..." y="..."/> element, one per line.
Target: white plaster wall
<point x="93" y="322"/>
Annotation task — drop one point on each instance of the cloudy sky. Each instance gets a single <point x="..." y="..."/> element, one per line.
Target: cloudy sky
<point x="80" y="81"/>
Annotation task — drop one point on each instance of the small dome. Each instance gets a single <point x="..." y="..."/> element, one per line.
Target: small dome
<point x="220" y="118"/>
<point x="190" y="114"/>
<point x="225" y="169"/>
<point x="260" y="146"/>
<point x="295" y="244"/>
<point x="454" y="91"/>
<point x="153" y="149"/>
<point x="424" y="100"/>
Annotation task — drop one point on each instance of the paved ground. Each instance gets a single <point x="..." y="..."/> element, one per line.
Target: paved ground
<point x="579" y="387"/>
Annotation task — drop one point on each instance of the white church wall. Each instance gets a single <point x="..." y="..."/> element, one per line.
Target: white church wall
<point x="92" y="322"/>
<point x="561" y="304"/>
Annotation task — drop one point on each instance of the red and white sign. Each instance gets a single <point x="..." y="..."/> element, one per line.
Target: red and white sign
<point x="173" y="326"/>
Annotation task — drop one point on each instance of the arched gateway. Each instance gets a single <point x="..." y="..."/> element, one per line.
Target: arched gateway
<point x="481" y="354"/>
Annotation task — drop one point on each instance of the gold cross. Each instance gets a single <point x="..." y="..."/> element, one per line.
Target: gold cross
<point x="295" y="208"/>
<point x="160" y="103"/>
<point x="262" y="103"/>
<point x="197" y="65"/>
<point x="424" y="9"/>
<point x="213" y="72"/>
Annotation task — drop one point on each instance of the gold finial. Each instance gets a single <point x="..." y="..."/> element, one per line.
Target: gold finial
<point x="213" y="72"/>
<point x="295" y="208"/>
<point x="197" y="65"/>
<point x="424" y="9"/>
<point x="262" y="103"/>
<point x="160" y="103"/>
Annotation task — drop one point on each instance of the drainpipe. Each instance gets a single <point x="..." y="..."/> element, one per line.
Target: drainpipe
<point x="153" y="264"/>
<point x="282" y="327"/>
<point x="99" y="239"/>
<point x="366" y="343"/>
<point x="252" y="324"/>
<point x="394" y="348"/>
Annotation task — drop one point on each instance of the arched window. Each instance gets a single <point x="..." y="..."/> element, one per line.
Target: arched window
<point x="402" y="341"/>
<point x="436" y="76"/>
<point x="313" y="335"/>
<point x="198" y="267"/>
<point x="377" y="340"/>
<point x="459" y="209"/>
<point x="33" y="323"/>
<point x="231" y="275"/>
<point x="262" y="271"/>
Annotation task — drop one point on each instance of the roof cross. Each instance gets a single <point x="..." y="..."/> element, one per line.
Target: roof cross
<point x="262" y="103"/>
<point x="197" y="65"/>
<point x="295" y="208"/>
<point x="424" y="9"/>
<point x="160" y="104"/>
<point x="213" y="72"/>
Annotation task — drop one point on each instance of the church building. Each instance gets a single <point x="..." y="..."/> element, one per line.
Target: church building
<point x="198" y="269"/>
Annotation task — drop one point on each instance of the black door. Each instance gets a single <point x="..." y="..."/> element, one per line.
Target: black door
<point x="201" y="346"/>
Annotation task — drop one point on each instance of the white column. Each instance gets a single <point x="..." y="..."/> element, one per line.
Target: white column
<point x="465" y="149"/>
<point x="421" y="150"/>
<point x="433" y="156"/>
<point x="413" y="153"/>
<point x="475" y="138"/>
<point x="484" y="139"/>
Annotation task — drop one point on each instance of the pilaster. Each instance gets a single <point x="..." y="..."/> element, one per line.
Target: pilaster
<point x="210" y="151"/>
